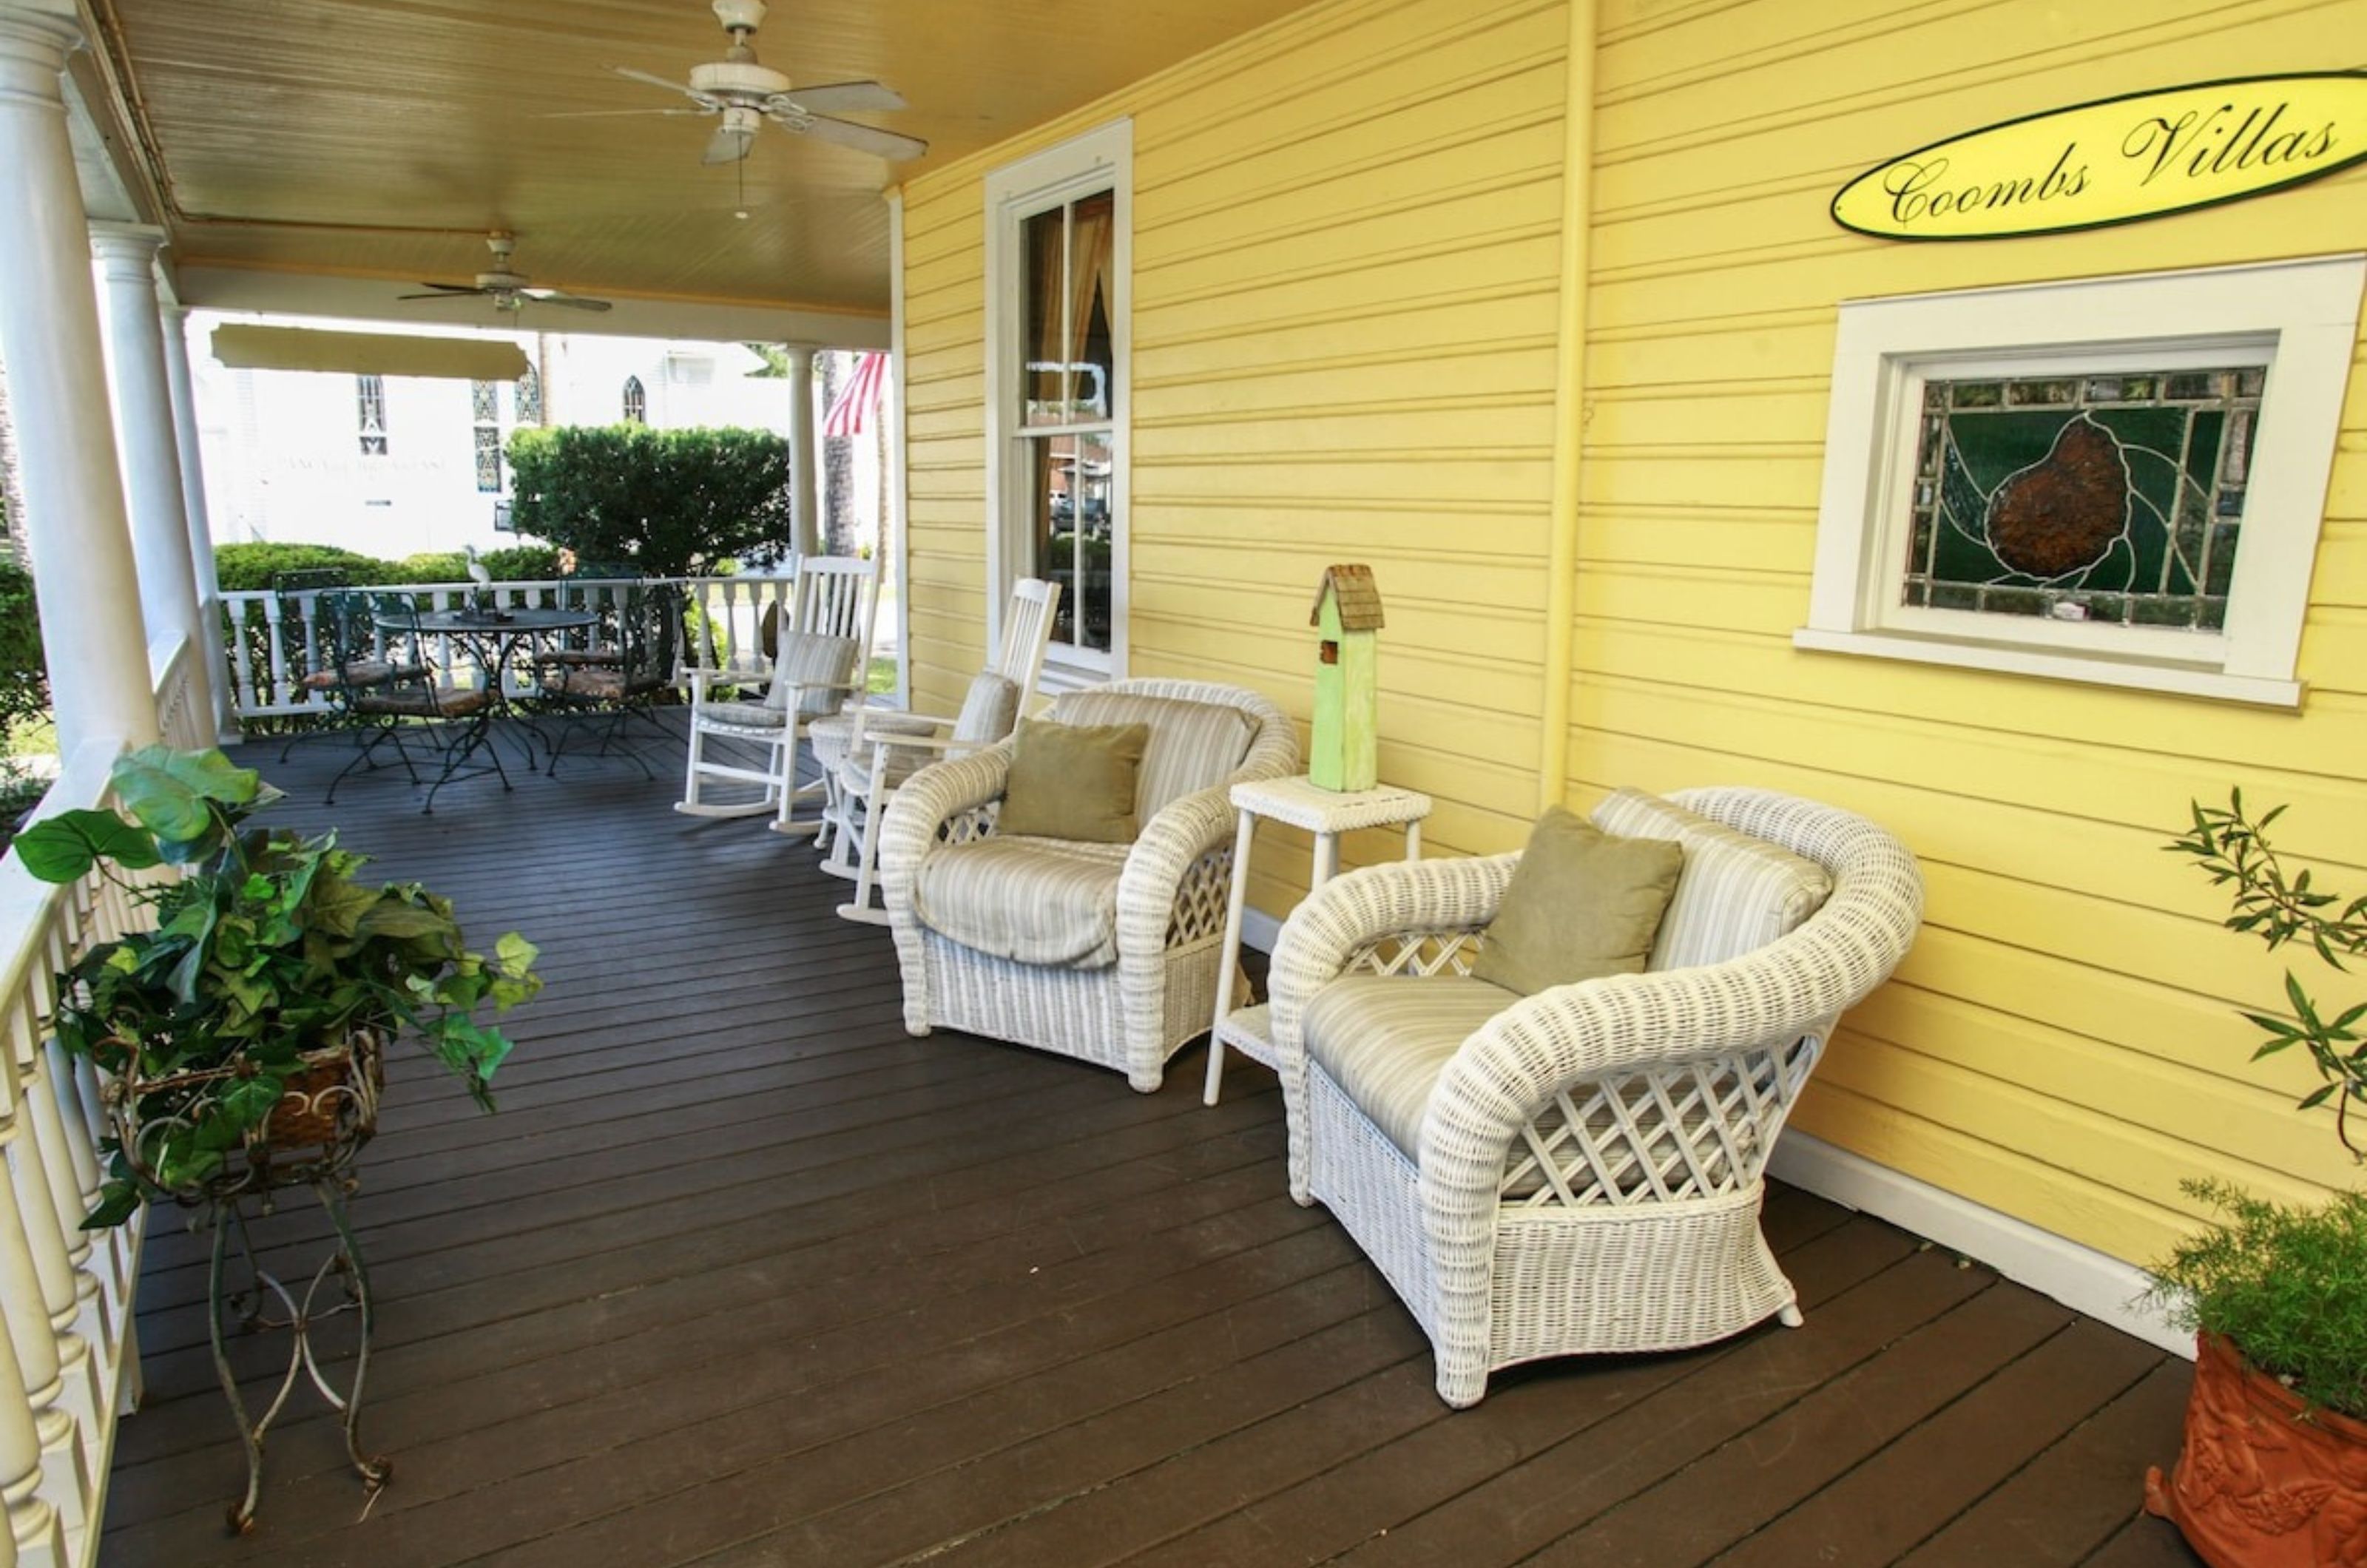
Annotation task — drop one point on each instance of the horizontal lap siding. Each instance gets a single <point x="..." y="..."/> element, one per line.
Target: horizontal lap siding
<point x="2060" y="1045"/>
<point x="1346" y="249"/>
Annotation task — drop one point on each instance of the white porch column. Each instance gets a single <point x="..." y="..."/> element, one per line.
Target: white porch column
<point x="75" y="524"/>
<point x="805" y="475"/>
<point x="150" y="448"/>
<point x="176" y="322"/>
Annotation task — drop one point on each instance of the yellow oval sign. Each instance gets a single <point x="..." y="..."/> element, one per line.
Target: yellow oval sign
<point x="2116" y="161"/>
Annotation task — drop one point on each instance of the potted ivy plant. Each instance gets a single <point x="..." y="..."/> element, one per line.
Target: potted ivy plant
<point x="246" y="1028"/>
<point x="2273" y="1469"/>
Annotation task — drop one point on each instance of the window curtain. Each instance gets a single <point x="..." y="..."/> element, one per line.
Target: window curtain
<point x="1090" y="229"/>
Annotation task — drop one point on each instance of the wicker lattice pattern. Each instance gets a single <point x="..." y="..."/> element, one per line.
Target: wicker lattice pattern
<point x="1592" y="1159"/>
<point x="1161" y="993"/>
<point x="1199" y="911"/>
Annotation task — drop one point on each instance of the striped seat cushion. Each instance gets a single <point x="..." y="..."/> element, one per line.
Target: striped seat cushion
<point x="1194" y="746"/>
<point x="1384" y="1039"/>
<point x="1735" y="893"/>
<point x="1046" y="901"/>
<point x="988" y="713"/>
<point x="813" y="670"/>
<point x="744" y="715"/>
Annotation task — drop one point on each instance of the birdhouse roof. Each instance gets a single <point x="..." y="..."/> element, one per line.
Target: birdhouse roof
<point x="1360" y="598"/>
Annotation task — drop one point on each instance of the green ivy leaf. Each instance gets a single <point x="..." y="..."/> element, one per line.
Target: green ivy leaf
<point x="172" y="793"/>
<point x="249" y="1100"/>
<point x="65" y="847"/>
<point x="118" y="1201"/>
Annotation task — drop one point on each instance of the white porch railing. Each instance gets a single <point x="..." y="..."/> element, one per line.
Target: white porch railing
<point x="69" y="1365"/>
<point x="269" y="656"/>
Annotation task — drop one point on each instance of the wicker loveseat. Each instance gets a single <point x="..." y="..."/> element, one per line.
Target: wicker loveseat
<point x="1105" y="952"/>
<point x="1581" y="1169"/>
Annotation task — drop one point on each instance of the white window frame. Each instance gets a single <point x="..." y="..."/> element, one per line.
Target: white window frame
<point x="2300" y="318"/>
<point x="1101" y="159"/>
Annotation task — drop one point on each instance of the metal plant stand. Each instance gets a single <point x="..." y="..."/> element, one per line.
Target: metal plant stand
<point x="249" y="1309"/>
<point x="326" y="1111"/>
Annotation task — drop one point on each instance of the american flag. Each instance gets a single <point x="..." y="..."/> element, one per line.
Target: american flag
<point x="858" y="398"/>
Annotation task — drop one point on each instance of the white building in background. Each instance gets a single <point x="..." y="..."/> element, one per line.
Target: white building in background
<point x="391" y="466"/>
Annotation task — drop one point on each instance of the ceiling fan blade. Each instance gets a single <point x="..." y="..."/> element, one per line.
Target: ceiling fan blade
<point x="447" y="292"/>
<point x="844" y="96"/>
<point x="573" y="301"/>
<point x="630" y="74"/>
<point x="728" y="145"/>
<point x="862" y="138"/>
<point x="447" y="287"/>
<point x="614" y="114"/>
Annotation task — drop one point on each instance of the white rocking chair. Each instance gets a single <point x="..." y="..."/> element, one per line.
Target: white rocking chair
<point x="882" y="749"/>
<point x="821" y="657"/>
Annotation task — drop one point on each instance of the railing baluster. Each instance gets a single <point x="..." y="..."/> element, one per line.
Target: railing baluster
<point x="78" y="1307"/>
<point x="34" y="1536"/>
<point x="235" y="618"/>
<point x="275" y="649"/>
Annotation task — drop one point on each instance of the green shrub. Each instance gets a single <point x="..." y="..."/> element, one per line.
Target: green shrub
<point x="2287" y="1285"/>
<point x="522" y="563"/>
<point x="24" y="670"/>
<point x="247" y="569"/>
<point x="671" y="503"/>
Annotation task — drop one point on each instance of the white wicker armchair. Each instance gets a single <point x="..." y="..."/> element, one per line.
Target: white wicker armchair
<point x="1592" y="1158"/>
<point x="1132" y="1014"/>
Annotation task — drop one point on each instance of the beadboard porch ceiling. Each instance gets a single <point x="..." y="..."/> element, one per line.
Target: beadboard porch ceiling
<point x="337" y="137"/>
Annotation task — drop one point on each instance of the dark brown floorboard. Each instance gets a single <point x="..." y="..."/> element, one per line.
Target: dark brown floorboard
<point x="742" y="1274"/>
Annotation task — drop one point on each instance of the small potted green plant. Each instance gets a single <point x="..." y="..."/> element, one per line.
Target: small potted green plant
<point x="246" y="1026"/>
<point x="2274" y="1470"/>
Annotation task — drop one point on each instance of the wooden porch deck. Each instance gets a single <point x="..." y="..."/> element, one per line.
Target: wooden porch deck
<point x="743" y="1275"/>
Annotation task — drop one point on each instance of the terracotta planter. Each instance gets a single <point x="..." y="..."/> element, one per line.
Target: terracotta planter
<point x="2263" y="1481"/>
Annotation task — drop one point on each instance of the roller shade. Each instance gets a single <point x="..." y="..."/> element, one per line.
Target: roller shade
<point x="367" y="353"/>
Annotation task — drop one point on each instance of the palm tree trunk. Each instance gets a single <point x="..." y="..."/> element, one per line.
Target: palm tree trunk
<point x="837" y="463"/>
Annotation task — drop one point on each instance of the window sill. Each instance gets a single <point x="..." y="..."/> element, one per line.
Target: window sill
<point x="2178" y="680"/>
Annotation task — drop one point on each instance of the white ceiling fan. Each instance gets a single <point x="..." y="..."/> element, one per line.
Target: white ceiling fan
<point x="746" y="95"/>
<point x="508" y="291"/>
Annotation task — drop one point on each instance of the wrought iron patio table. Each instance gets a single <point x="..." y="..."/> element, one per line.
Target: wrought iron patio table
<point x="494" y="639"/>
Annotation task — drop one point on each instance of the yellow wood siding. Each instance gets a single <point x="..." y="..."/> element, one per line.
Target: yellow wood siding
<point x="1346" y="253"/>
<point x="2060" y="1045"/>
<point x="1346" y="266"/>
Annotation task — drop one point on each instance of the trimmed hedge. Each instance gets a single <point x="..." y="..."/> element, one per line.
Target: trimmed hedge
<point x="250" y="568"/>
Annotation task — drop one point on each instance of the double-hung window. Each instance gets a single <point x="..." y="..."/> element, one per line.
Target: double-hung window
<point x="1057" y="260"/>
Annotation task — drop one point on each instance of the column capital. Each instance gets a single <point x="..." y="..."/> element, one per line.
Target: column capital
<point x="38" y="34"/>
<point x="127" y="250"/>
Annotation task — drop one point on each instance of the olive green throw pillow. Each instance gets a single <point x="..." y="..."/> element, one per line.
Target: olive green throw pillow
<point x="1581" y="904"/>
<point x="1074" y="780"/>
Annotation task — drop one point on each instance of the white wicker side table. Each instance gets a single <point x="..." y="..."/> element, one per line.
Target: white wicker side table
<point x="1326" y="814"/>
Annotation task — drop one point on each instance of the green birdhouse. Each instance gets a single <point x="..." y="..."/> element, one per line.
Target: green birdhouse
<point x="1342" y="754"/>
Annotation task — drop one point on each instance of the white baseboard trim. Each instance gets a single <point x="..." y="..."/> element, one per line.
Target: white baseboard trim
<point x="1259" y="930"/>
<point x="2082" y="1279"/>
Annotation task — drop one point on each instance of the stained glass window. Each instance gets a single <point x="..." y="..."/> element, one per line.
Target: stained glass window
<point x="370" y="397"/>
<point x="528" y="398"/>
<point x="484" y="403"/>
<point x="637" y="401"/>
<point x="489" y="459"/>
<point x="2114" y="497"/>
